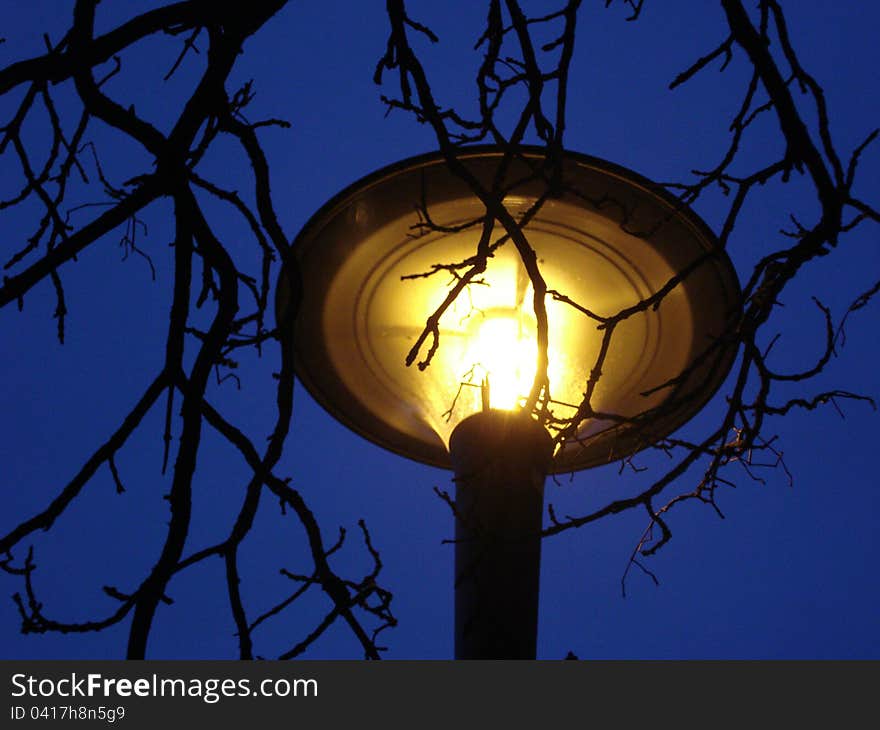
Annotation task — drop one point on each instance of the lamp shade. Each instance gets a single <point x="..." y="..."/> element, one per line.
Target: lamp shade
<point x="373" y="272"/>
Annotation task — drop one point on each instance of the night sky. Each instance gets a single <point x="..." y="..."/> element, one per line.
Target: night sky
<point x="790" y="572"/>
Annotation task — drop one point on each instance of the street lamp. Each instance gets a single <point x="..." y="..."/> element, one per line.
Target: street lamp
<point x="380" y="258"/>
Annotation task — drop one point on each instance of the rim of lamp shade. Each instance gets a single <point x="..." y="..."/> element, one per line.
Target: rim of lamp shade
<point x="361" y="234"/>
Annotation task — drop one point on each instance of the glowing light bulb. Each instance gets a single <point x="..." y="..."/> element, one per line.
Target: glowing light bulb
<point x="503" y="357"/>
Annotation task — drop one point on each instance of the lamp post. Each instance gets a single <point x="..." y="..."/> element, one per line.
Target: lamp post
<point x="375" y="266"/>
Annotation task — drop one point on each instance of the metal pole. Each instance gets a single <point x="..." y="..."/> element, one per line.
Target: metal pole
<point x="500" y="461"/>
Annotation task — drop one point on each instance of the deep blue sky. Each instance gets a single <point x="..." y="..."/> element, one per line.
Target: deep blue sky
<point x="791" y="571"/>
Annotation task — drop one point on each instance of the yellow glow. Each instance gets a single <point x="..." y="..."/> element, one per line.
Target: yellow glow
<point x="487" y="354"/>
<point x="502" y="357"/>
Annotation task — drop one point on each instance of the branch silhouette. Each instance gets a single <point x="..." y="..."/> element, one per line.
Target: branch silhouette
<point x="810" y="153"/>
<point x="210" y="111"/>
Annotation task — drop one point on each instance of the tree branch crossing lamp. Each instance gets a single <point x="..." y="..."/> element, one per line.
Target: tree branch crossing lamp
<point x="617" y="253"/>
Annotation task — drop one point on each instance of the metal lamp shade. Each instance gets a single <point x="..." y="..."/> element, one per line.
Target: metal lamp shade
<point x="612" y="240"/>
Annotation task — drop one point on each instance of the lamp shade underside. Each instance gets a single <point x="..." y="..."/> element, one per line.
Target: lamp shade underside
<point x="373" y="272"/>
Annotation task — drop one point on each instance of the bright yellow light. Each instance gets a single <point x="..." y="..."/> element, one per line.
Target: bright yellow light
<point x="487" y="354"/>
<point x="503" y="357"/>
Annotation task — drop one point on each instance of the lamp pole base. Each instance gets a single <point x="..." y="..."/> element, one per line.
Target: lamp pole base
<point x="500" y="460"/>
